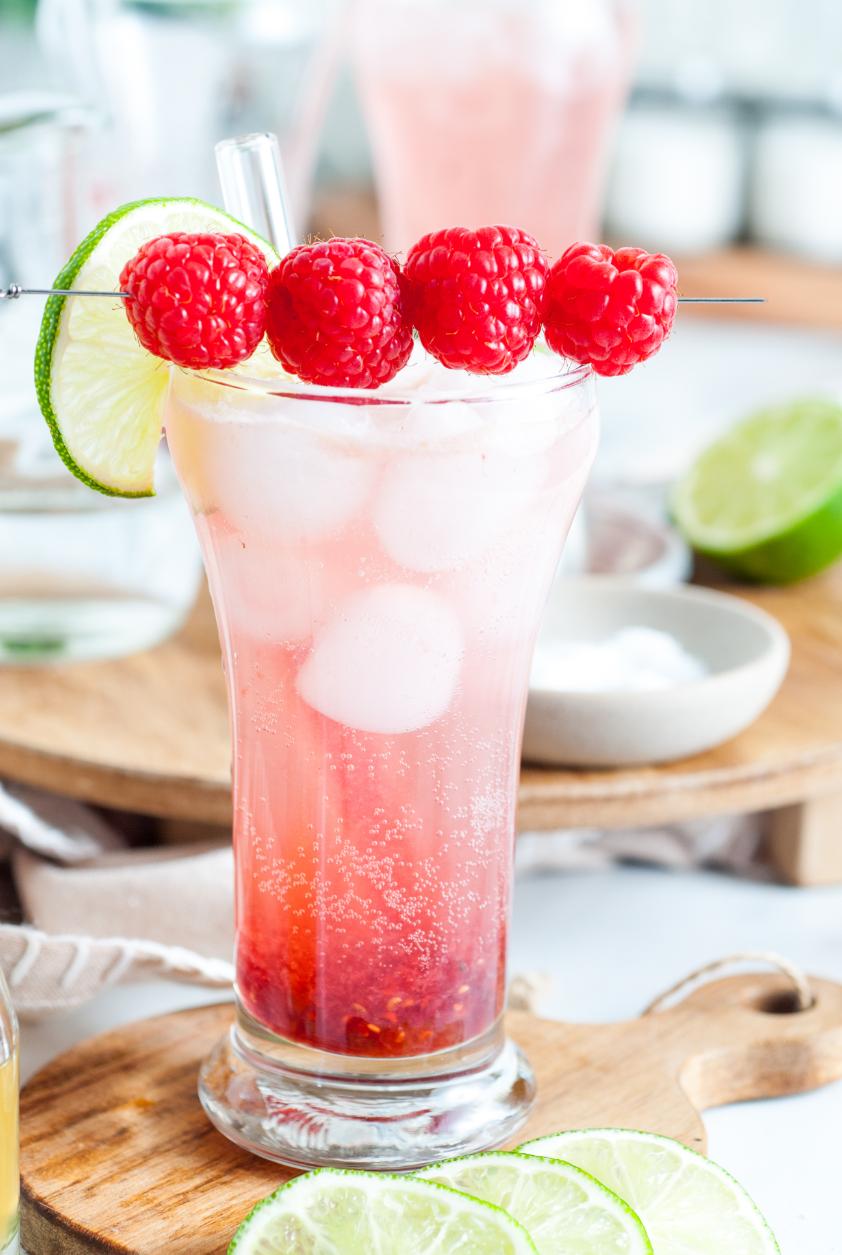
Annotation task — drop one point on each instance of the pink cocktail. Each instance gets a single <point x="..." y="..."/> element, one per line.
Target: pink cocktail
<point x="378" y="564"/>
<point x="492" y="111"/>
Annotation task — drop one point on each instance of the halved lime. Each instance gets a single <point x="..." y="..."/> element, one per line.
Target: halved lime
<point x="766" y="499"/>
<point x="332" y="1212"/>
<point x="689" y="1205"/>
<point x="101" y="393"/>
<point x="562" y="1208"/>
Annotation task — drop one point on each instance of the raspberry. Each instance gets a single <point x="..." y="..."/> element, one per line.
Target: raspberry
<point x="368" y="1005"/>
<point x="609" y="309"/>
<point x="476" y="296"/>
<point x="197" y="300"/>
<point x="336" y="314"/>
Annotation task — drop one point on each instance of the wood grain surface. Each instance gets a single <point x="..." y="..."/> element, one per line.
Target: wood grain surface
<point x="150" y="734"/>
<point x="117" y="1155"/>
<point x="796" y="291"/>
<point x="800" y="292"/>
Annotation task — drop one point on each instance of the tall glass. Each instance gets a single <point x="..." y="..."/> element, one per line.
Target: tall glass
<point x="492" y="111"/>
<point x="378" y="564"/>
<point x="9" y="1083"/>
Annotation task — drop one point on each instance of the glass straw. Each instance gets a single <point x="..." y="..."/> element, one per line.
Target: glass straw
<point x="253" y="188"/>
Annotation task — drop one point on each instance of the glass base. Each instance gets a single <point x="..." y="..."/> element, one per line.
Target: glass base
<point x="307" y="1109"/>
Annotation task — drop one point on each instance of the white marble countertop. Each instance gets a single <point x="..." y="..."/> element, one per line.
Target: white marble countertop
<point x="610" y="940"/>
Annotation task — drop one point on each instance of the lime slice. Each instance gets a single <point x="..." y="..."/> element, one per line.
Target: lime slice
<point x="562" y="1208"/>
<point x="766" y="499"/>
<point x="331" y="1212"/>
<point x="689" y="1205"/>
<point x="100" y="392"/>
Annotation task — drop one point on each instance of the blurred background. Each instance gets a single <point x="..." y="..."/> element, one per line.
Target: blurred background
<point x="709" y="131"/>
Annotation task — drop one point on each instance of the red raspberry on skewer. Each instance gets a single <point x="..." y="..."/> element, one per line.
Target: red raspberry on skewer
<point x="609" y="309"/>
<point x="336" y="314"/>
<point x="197" y="300"/>
<point x="476" y="296"/>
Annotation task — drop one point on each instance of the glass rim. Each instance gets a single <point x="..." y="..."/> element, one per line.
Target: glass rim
<point x="568" y="375"/>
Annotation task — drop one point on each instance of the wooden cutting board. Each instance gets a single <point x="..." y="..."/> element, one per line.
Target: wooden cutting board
<point x="117" y="1155"/>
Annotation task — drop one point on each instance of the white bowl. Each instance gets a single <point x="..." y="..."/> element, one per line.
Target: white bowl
<point x="745" y="652"/>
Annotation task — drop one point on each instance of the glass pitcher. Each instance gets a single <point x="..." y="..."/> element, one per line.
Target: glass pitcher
<point x="492" y="111"/>
<point x="81" y="575"/>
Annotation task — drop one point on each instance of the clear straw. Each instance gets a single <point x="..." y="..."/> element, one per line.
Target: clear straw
<point x="253" y="188"/>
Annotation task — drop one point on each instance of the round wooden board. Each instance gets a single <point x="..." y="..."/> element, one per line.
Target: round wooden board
<point x="118" y="1157"/>
<point x="150" y="734"/>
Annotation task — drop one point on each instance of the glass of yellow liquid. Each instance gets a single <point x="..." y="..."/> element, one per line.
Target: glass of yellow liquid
<point x="9" y="1087"/>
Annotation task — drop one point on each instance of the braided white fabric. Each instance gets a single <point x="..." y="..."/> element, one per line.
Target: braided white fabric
<point x="50" y="972"/>
<point x="97" y="914"/>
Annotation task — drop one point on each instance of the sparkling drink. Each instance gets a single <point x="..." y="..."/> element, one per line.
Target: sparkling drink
<point x="378" y="563"/>
<point x="8" y="1155"/>
<point x="9" y="1086"/>
<point x="492" y="111"/>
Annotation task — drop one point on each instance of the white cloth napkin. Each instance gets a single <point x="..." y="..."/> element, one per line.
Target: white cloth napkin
<point x="96" y="914"/>
<point x="732" y="842"/>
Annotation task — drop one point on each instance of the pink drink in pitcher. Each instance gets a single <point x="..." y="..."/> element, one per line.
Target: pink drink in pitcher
<point x="492" y="111"/>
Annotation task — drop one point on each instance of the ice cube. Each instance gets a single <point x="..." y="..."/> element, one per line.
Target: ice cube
<point x="526" y="424"/>
<point x="439" y="511"/>
<point x="501" y="597"/>
<point x="272" y="595"/>
<point x="536" y="410"/>
<point x="272" y="469"/>
<point x="313" y="493"/>
<point x="429" y="425"/>
<point x="388" y="662"/>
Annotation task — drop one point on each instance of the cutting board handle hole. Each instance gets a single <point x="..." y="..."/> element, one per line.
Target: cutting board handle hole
<point x="782" y="1002"/>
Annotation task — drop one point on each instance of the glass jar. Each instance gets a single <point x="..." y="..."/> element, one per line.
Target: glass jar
<point x="81" y="575"/>
<point x="9" y="1085"/>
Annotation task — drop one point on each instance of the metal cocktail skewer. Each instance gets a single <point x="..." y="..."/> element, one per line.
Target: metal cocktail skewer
<point x="722" y="300"/>
<point x="14" y="290"/>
